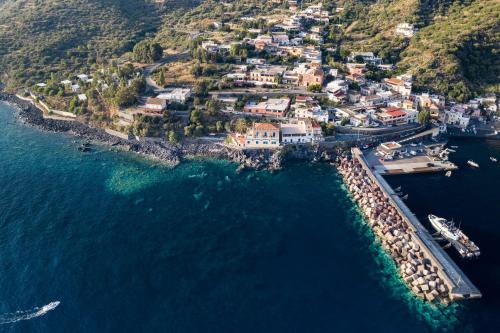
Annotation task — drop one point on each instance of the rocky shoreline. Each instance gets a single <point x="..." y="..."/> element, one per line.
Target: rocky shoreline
<point x="417" y="270"/>
<point x="172" y="154"/>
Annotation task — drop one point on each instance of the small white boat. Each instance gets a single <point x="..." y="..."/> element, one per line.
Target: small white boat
<point x="451" y="150"/>
<point x="448" y="173"/>
<point x="473" y="164"/>
<point x="454" y="147"/>
<point x="446" y="228"/>
<point x="493" y="159"/>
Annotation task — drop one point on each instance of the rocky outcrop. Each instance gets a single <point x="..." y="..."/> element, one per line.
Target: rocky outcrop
<point x="271" y="159"/>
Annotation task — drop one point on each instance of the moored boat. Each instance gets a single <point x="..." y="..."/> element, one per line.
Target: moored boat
<point x="473" y="164"/>
<point x="446" y="228"/>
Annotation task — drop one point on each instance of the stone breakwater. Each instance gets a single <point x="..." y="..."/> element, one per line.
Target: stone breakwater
<point x="167" y="152"/>
<point x="396" y="237"/>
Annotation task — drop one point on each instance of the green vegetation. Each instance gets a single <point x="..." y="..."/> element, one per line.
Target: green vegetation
<point x="69" y="37"/>
<point x="458" y="55"/>
<point x="424" y="117"/>
<point x="147" y="51"/>
<point x="454" y="53"/>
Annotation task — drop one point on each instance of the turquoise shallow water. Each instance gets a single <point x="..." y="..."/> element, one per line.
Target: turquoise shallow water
<point x="127" y="245"/>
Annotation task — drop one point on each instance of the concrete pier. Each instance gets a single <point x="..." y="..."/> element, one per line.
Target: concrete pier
<point x="460" y="287"/>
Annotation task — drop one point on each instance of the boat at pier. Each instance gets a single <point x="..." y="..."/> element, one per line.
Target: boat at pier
<point x="448" y="173"/>
<point x="473" y="164"/>
<point x="465" y="247"/>
<point x="444" y="227"/>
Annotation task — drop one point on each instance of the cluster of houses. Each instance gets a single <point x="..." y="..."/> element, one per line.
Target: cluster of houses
<point x="355" y="99"/>
<point x="154" y="106"/>
<point x="273" y="135"/>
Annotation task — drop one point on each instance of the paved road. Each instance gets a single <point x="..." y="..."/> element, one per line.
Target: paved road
<point x="266" y="92"/>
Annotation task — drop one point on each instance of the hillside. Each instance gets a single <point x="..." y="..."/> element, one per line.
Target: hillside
<point x="41" y="37"/>
<point x="455" y="51"/>
<point x="458" y="54"/>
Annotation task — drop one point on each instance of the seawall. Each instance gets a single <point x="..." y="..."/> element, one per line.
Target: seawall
<point x="427" y="270"/>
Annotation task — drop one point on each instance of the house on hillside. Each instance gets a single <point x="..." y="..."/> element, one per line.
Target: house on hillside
<point x="275" y="107"/>
<point x="263" y="135"/>
<point x="154" y="106"/>
<point x="302" y="131"/>
<point x="177" y="95"/>
<point x="392" y="116"/>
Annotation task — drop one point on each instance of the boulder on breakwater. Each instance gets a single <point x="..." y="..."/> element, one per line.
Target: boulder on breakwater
<point x="395" y="236"/>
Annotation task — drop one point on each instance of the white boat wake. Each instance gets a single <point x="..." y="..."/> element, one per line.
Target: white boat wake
<point x="9" y="318"/>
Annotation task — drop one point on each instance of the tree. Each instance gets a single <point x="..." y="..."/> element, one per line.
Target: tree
<point x="328" y="128"/>
<point x="359" y="59"/>
<point x="240" y="126"/>
<point x="147" y="51"/>
<point x="161" y="79"/>
<point x="172" y="137"/>
<point x="219" y="126"/>
<point x="199" y="130"/>
<point x="314" y="88"/>
<point x="424" y="117"/>
<point x="213" y="106"/>
<point x="138" y="85"/>
<point x="73" y="103"/>
<point x="125" y="97"/>
<point x="188" y="130"/>
<point x="201" y="88"/>
<point x="195" y="117"/>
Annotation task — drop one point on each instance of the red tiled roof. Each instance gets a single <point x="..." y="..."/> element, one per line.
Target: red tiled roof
<point x="394" y="81"/>
<point x="395" y="112"/>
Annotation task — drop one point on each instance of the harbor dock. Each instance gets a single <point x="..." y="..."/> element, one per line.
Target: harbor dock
<point x="405" y="162"/>
<point x="425" y="267"/>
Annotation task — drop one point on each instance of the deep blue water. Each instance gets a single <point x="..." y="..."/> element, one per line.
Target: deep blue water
<point x="128" y="245"/>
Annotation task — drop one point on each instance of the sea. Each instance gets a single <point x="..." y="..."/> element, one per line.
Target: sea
<point x="108" y="241"/>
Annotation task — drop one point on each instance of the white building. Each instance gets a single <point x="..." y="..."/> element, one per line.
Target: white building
<point x="83" y="77"/>
<point x="337" y="90"/>
<point x="304" y="131"/>
<point x="368" y="57"/>
<point x="456" y="118"/>
<point x="306" y="107"/>
<point x="359" y="120"/>
<point x="178" y="95"/>
<point x="155" y="104"/>
<point x="405" y="30"/>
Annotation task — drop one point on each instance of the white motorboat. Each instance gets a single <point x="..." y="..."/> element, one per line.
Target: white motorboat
<point x="446" y="228"/>
<point x="473" y="164"/>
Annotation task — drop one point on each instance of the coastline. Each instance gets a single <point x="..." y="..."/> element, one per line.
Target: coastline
<point x="166" y="152"/>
